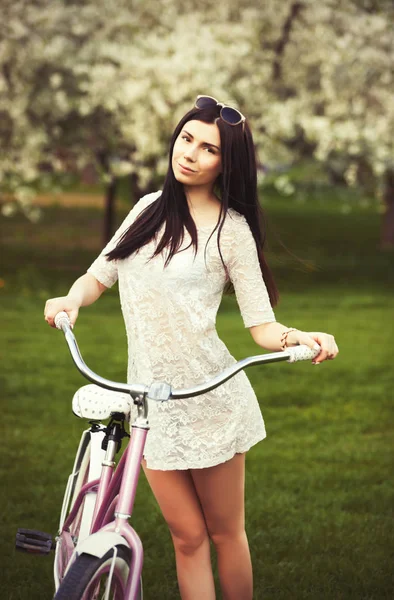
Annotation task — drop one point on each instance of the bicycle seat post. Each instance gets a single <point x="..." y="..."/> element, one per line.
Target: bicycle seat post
<point x="135" y="449"/>
<point x="114" y="433"/>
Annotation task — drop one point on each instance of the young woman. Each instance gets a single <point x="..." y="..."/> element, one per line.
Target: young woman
<point x="173" y="255"/>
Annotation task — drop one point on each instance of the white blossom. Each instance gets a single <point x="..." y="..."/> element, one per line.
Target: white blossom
<point x="78" y="78"/>
<point x="8" y="209"/>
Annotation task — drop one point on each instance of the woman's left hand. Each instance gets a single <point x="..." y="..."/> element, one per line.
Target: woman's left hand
<point x="327" y="343"/>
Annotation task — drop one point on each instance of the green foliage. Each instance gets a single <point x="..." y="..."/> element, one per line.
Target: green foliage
<point x="319" y="493"/>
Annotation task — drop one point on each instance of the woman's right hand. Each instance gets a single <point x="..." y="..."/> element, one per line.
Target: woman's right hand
<point x="56" y="305"/>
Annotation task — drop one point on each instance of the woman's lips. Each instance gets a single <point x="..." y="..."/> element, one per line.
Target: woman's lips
<point x="185" y="169"/>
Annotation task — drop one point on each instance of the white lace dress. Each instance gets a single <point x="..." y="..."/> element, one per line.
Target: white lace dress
<point x="170" y="316"/>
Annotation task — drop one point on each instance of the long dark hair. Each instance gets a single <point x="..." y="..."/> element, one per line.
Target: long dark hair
<point x="236" y="187"/>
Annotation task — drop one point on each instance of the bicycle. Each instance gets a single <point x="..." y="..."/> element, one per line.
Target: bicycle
<point x="98" y="554"/>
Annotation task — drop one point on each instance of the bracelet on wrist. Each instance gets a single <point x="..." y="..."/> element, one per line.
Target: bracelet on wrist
<point x="283" y="337"/>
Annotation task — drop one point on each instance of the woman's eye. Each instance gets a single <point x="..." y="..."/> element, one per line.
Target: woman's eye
<point x="187" y="139"/>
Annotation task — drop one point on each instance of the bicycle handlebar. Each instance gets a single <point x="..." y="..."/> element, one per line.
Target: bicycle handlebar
<point x="163" y="391"/>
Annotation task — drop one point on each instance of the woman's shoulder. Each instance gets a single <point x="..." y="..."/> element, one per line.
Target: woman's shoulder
<point x="141" y="204"/>
<point x="148" y="199"/>
<point x="236" y="232"/>
<point x="235" y="221"/>
<point x="235" y="216"/>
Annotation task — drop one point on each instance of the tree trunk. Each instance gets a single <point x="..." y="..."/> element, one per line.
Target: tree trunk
<point x="135" y="191"/>
<point x="387" y="240"/>
<point x="109" y="210"/>
<point x="280" y="46"/>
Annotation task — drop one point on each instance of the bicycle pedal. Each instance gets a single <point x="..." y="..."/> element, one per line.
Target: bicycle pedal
<point x="33" y="541"/>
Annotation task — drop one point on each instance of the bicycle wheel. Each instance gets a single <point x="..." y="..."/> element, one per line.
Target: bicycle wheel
<point x="88" y="577"/>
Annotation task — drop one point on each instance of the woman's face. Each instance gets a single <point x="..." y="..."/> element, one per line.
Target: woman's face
<point x="196" y="157"/>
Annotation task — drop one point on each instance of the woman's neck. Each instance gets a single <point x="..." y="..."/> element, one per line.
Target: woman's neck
<point x="201" y="199"/>
<point x="204" y="206"/>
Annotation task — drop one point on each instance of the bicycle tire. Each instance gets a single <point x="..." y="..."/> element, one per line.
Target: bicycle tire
<point x="85" y="575"/>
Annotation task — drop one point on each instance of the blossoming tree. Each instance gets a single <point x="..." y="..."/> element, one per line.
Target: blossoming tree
<point x="82" y="83"/>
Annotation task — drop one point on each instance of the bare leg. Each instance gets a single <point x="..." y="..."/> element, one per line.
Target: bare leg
<point x="221" y="492"/>
<point x="181" y="508"/>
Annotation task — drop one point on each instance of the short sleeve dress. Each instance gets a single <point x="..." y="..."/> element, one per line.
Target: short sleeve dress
<point x="170" y="315"/>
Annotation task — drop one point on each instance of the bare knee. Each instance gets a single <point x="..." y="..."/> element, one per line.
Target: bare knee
<point x="189" y="542"/>
<point x="225" y="537"/>
<point x="181" y="508"/>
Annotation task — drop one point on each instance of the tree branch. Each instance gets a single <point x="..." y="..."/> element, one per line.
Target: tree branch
<point x="281" y="44"/>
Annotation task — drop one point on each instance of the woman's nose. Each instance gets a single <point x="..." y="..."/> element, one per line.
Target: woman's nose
<point x="190" y="153"/>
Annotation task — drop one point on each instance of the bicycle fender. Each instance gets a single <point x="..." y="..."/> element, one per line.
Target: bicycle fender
<point x="99" y="543"/>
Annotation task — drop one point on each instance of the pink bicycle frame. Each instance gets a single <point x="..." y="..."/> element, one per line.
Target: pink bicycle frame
<point x="124" y="508"/>
<point x="118" y="489"/>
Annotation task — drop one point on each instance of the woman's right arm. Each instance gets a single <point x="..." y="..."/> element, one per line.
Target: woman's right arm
<point x="84" y="291"/>
<point x="101" y="275"/>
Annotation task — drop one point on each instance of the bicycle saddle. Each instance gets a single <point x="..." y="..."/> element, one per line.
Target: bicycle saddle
<point x="94" y="402"/>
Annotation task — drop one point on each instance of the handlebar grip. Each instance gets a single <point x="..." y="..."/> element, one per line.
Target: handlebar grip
<point x="62" y="320"/>
<point x="302" y="352"/>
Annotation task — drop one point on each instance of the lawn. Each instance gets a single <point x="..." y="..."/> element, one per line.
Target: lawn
<point x="319" y="490"/>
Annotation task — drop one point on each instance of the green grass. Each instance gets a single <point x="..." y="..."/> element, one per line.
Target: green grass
<point x="319" y="491"/>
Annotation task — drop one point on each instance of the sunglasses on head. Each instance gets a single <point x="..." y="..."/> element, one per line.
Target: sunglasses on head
<point x="229" y="115"/>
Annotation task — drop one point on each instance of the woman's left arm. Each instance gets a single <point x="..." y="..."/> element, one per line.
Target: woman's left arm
<point x="269" y="336"/>
<point x="245" y="273"/>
